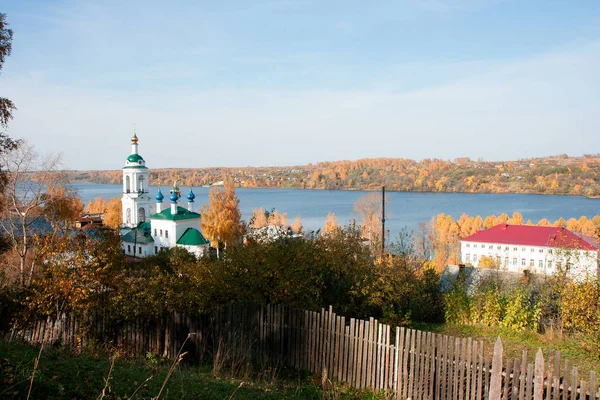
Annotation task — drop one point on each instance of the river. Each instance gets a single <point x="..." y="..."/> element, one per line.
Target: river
<point x="403" y="210"/>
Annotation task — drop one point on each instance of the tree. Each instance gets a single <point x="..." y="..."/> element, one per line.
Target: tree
<point x="369" y="208"/>
<point x="32" y="198"/>
<point x="97" y="206"/>
<point x="297" y="225"/>
<point x="517" y="218"/>
<point x="331" y="224"/>
<point x="113" y="216"/>
<point x="560" y="223"/>
<point x="259" y="219"/>
<point x="221" y="217"/>
<point x="543" y="222"/>
<point x="6" y="106"/>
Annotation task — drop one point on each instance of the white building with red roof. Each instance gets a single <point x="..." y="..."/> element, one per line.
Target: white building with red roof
<point x="539" y="249"/>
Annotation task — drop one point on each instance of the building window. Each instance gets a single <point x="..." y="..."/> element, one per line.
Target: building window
<point x="161" y="233"/>
<point x="166" y="233"/>
<point x="128" y="216"/>
<point x="505" y="260"/>
<point x="155" y="247"/>
<point x="515" y="249"/>
<point x="541" y="250"/>
<point x="468" y="245"/>
<point x="522" y="248"/>
<point x="128" y="248"/>
<point x="468" y="258"/>
<point x="499" y="247"/>
<point x="474" y="257"/>
<point x="515" y="261"/>
<point x="523" y="262"/>
<point x="475" y="245"/>
<point x="490" y="246"/>
<point x="140" y="250"/>
<point x="506" y="248"/>
<point x="541" y="264"/>
<point x="532" y="263"/>
<point x="549" y="264"/>
<point x="154" y="231"/>
<point x="549" y="251"/>
<point x="532" y="249"/>
<point x="141" y="214"/>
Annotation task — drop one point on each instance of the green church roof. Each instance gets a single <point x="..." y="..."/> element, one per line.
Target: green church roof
<point x="192" y="237"/>
<point x="182" y="213"/>
<point x="140" y="234"/>
<point x="135" y="158"/>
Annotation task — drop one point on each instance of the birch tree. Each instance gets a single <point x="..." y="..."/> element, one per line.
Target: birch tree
<point x="221" y="217"/>
<point x="32" y="199"/>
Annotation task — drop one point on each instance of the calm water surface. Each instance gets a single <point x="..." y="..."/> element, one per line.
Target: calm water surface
<point x="402" y="209"/>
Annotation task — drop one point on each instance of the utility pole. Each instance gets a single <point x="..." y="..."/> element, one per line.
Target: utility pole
<point x="382" y="220"/>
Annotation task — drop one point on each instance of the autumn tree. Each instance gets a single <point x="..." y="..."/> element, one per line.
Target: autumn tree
<point x="259" y="219"/>
<point x="113" y="215"/>
<point x="276" y="218"/>
<point x="32" y="198"/>
<point x="560" y="223"/>
<point x="369" y="208"/>
<point x="572" y="224"/>
<point x="62" y="206"/>
<point x="331" y="224"/>
<point x="297" y="225"/>
<point x="543" y="222"/>
<point x="517" y="219"/>
<point x="97" y="206"/>
<point x="221" y="217"/>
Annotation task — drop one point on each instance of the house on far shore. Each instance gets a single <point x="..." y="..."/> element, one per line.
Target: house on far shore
<point x="538" y="249"/>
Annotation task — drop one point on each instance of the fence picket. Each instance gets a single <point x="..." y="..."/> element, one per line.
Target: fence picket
<point x="365" y="354"/>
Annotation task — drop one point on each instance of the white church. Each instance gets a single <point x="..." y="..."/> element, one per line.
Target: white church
<point x="172" y="226"/>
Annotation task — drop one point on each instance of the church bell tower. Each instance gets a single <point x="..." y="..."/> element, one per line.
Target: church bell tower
<point x="135" y="200"/>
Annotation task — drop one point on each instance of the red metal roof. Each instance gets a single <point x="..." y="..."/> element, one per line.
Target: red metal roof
<point x="531" y="235"/>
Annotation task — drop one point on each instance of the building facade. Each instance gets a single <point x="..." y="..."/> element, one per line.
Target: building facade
<point x="174" y="226"/>
<point x="538" y="249"/>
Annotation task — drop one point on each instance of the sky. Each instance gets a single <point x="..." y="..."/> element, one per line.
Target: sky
<point x="282" y="82"/>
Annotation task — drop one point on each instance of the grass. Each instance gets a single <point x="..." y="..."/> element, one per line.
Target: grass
<point x="100" y="375"/>
<point x="575" y="348"/>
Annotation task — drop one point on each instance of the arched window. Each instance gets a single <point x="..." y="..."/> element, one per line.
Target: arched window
<point x="141" y="184"/>
<point x="141" y="214"/>
<point x="127" y="184"/>
<point x="128" y="216"/>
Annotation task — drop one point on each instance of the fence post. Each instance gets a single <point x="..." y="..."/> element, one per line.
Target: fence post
<point x="496" y="379"/>
<point x="538" y="383"/>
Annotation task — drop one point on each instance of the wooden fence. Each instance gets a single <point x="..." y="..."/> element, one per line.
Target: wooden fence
<point x="365" y="354"/>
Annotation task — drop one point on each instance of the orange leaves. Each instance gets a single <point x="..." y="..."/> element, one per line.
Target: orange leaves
<point x="331" y="224"/>
<point x="221" y="217"/>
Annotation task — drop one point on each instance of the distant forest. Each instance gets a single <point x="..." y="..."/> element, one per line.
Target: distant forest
<point x="548" y="175"/>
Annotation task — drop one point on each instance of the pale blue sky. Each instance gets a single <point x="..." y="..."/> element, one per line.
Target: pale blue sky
<point x="237" y="83"/>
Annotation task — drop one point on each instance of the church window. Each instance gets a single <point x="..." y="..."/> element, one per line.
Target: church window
<point x="166" y="233"/>
<point x="128" y="248"/>
<point x="127" y="184"/>
<point x="140" y="250"/>
<point x="161" y="233"/>
<point x="141" y="214"/>
<point x="141" y="184"/>
<point x="154" y="231"/>
<point x="155" y="249"/>
<point x="128" y="216"/>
